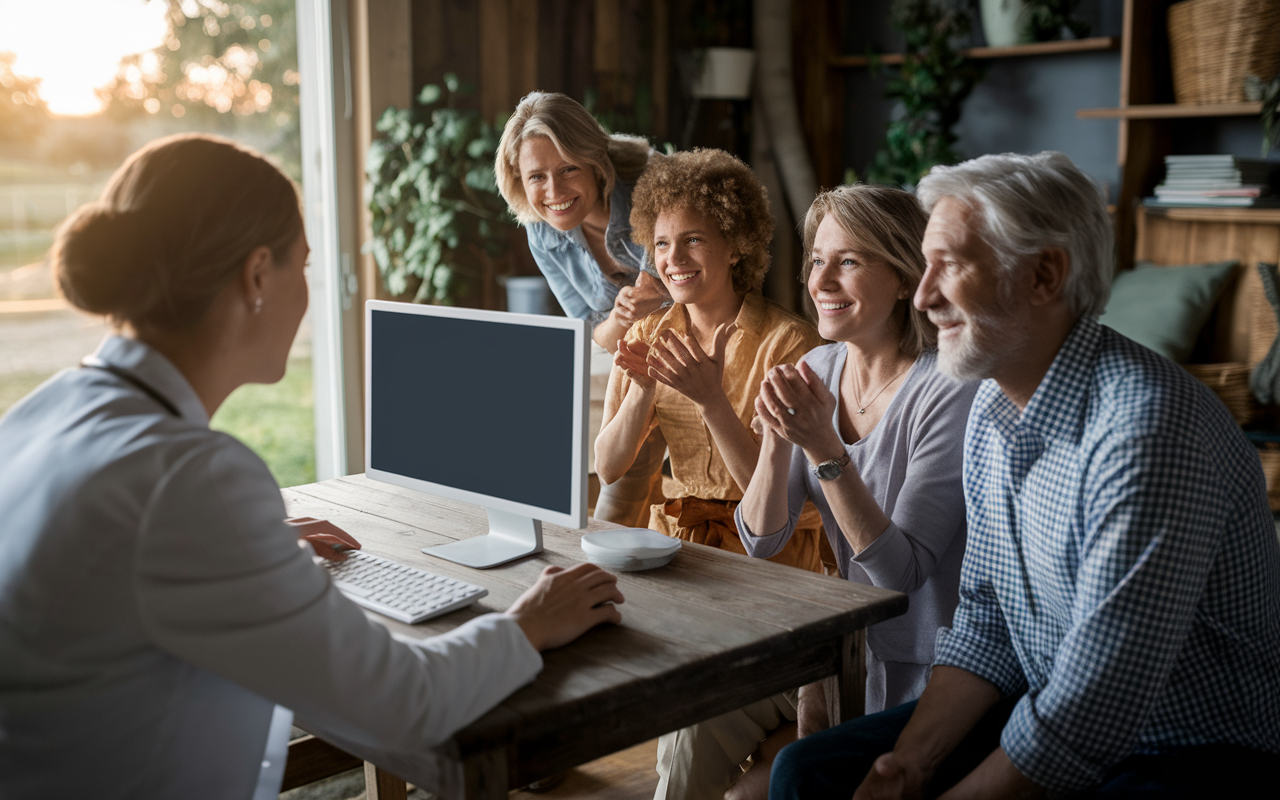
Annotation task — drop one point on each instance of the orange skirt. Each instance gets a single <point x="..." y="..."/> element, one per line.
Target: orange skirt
<point x="711" y="522"/>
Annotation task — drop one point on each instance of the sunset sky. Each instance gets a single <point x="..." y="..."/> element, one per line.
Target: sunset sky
<point x="73" y="46"/>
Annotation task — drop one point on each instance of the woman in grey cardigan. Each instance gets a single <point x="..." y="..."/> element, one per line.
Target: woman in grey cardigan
<point x="872" y="432"/>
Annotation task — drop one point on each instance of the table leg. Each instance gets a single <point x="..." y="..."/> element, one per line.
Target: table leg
<point x="485" y="775"/>
<point x="380" y="785"/>
<point x="847" y="689"/>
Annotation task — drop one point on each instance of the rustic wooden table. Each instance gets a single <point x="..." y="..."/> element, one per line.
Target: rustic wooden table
<point x="708" y="633"/>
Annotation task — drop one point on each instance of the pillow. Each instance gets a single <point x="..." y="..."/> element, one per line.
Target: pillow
<point x="1164" y="308"/>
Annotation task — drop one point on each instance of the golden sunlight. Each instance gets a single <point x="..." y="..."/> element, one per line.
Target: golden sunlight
<point x="77" y="48"/>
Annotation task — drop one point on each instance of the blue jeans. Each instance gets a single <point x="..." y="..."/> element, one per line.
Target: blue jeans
<point x="831" y="764"/>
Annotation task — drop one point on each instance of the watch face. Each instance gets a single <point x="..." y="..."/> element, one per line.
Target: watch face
<point x="828" y="470"/>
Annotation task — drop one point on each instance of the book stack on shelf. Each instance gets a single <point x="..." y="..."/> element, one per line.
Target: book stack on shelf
<point x="1216" y="180"/>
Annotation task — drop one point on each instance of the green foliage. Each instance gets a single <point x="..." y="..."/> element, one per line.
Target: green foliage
<point x="1046" y="19"/>
<point x="1269" y="95"/>
<point x="932" y="85"/>
<point x="437" y="214"/>
<point x="221" y="65"/>
<point x="22" y="111"/>
<point x="276" y="421"/>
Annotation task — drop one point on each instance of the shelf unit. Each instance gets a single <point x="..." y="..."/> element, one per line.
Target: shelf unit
<point x="1036" y="49"/>
<point x="1173" y="111"/>
<point x="1149" y="123"/>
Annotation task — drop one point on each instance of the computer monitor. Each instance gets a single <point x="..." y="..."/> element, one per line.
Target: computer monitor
<point x="486" y="407"/>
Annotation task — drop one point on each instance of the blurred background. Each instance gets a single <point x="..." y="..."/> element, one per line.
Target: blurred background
<point x="83" y="83"/>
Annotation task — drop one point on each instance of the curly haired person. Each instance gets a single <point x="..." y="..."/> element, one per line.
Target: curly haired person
<point x="694" y="371"/>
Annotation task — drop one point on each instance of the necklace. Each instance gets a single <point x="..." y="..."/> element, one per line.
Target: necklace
<point x="857" y="388"/>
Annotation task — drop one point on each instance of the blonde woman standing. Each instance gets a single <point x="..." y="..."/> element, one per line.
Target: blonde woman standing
<point x="569" y="183"/>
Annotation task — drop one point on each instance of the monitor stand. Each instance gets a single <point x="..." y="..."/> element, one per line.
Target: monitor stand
<point x="510" y="536"/>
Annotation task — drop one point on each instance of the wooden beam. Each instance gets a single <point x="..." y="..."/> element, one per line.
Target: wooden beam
<point x="608" y="38"/>
<point x="495" y="57"/>
<point x="661" y="68"/>
<point x="382" y="77"/>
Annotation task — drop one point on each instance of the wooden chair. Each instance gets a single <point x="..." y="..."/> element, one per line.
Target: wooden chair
<point x="312" y="759"/>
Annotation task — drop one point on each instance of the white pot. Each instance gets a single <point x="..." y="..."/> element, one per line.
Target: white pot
<point x="725" y="74"/>
<point x="1002" y="21"/>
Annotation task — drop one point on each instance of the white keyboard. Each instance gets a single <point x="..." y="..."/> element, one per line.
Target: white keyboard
<point x="401" y="592"/>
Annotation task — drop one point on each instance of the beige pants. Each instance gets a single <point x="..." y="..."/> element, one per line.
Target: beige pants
<point x="701" y="762"/>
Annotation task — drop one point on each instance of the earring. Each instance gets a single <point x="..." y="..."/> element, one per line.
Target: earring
<point x="257" y="306"/>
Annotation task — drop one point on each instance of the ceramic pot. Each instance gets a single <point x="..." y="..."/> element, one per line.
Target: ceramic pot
<point x="725" y="73"/>
<point x="1002" y="21"/>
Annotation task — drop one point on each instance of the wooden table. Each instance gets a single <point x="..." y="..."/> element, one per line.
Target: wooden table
<point x="708" y="633"/>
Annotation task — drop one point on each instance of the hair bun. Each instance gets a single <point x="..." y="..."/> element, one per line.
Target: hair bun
<point x="95" y="259"/>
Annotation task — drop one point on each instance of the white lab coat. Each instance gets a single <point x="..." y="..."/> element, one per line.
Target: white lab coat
<point x="154" y="609"/>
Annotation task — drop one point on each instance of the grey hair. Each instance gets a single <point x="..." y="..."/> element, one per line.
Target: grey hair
<point x="1026" y="204"/>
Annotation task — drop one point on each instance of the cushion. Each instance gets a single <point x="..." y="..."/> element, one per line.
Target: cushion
<point x="1164" y="308"/>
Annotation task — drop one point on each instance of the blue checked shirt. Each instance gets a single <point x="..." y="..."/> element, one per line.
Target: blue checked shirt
<point x="1122" y="566"/>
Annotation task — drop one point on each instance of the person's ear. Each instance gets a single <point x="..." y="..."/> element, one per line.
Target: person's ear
<point x="254" y="276"/>
<point x="1049" y="276"/>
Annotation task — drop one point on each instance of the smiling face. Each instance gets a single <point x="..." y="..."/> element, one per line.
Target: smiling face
<point x="966" y="295"/>
<point x="561" y="192"/>
<point x="693" y="258"/>
<point x="856" y="295"/>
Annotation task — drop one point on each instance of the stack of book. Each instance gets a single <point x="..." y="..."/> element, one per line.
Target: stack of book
<point x="1216" y="180"/>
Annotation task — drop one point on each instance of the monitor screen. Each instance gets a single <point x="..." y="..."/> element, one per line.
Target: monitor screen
<point x="482" y="402"/>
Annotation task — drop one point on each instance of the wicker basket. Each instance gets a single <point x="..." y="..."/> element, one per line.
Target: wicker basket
<point x="1214" y="44"/>
<point x="1230" y="382"/>
<point x="1270" y="456"/>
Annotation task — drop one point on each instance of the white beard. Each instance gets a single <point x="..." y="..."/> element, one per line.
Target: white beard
<point x="985" y="340"/>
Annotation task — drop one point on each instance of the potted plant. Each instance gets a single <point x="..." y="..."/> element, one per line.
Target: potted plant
<point x="438" y="220"/>
<point x="932" y="86"/>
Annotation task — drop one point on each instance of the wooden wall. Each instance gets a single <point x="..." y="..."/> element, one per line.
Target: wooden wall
<point x="628" y="60"/>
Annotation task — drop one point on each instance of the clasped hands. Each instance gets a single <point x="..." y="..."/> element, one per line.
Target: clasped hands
<point x="634" y="303"/>
<point x="678" y="361"/>
<point x="795" y="404"/>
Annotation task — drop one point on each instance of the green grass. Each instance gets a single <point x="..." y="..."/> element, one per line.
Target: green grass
<point x="15" y="387"/>
<point x="276" y="421"/>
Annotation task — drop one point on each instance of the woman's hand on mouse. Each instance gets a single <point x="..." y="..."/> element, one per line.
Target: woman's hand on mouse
<point x="328" y="540"/>
<point x="566" y="603"/>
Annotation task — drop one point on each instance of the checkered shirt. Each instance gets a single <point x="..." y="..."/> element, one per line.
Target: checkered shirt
<point x="1122" y="566"/>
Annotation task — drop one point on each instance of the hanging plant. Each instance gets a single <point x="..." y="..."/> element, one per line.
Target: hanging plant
<point x="932" y="85"/>
<point x="1049" y="20"/>
<point x="1269" y="95"/>
<point x="437" y="214"/>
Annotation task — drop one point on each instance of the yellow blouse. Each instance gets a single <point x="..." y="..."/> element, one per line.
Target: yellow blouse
<point x="767" y="335"/>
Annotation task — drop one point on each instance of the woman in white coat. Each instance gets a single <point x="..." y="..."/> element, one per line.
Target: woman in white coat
<point x="160" y="626"/>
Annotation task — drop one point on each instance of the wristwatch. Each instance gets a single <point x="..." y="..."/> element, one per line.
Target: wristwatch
<point x="830" y="470"/>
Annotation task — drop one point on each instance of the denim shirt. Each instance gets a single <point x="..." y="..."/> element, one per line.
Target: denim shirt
<point x="575" y="278"/>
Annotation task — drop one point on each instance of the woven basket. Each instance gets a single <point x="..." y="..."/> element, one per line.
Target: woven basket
<point x="1214" y="44"/>
<point x="1270" y="456"/>
<point x="1230" y="382"/>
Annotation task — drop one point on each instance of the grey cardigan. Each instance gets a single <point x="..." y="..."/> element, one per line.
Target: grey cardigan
<point x="911" y="464"/>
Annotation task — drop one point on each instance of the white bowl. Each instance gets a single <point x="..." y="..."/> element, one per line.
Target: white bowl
<point x="629" y="549"/>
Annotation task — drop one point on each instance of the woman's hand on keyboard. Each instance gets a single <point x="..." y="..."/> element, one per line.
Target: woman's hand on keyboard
<point x="566" y="603"/>
<point x="328" y="540"/>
